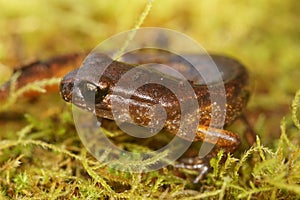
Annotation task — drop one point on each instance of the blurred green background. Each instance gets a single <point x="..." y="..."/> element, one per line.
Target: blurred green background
<point x="264" y="35"/>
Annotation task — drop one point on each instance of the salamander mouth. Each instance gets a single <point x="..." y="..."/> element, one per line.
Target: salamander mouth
<point x="82" y="93"/>
<point x="71" y="93"/>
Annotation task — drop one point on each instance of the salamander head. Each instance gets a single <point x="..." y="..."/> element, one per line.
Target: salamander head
<point x="83" y="87"/>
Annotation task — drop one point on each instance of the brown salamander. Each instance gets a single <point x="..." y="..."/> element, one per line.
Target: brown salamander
<point x="96" y="88"/>
<point x="95" y="93"/>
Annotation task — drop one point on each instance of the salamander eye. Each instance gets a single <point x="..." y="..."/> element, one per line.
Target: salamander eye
<point x="92" y="93"/>
<point x="88" y="91"/>
<point x="91" y="87"/>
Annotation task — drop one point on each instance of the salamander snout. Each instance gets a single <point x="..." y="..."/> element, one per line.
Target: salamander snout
<point x="67" y="86"/>
<point x="83" y="92"/>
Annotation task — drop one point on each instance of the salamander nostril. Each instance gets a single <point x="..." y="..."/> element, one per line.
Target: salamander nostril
<point x="66" y="90"/>
<point x="67" y="86"/>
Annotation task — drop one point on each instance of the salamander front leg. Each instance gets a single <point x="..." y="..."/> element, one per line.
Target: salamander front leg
<point x="222" y="139"/>
<point x="195" y="163"/>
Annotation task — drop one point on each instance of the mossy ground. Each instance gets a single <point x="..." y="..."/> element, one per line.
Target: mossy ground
<point x="41" y="156"/>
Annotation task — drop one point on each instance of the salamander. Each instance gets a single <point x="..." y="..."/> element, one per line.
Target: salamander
<point x="97" y="86"/>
